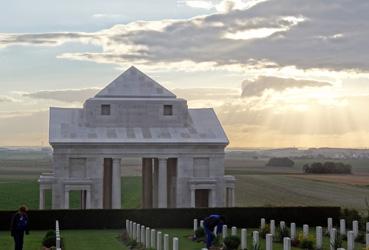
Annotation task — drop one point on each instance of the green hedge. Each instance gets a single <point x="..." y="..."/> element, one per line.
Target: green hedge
<point x="171" y="218"/>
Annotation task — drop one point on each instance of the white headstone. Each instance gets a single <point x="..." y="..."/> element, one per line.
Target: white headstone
<point x="286" y="243"/>
<point x="355" y="228"/>
<point x="305" y="231"/>
<point x="138" y="233"/>
<point x="366" y="241"/>
<point x="272" y="227"/>
<point x="319" y="237"/>
<point x="152" y="237"/>
<point x="166" y="242"/>
<point x="134" y="230"/>
<point x="243" y="239"/>
<point x="158" y="240"/>
<point x="195" y="224"/>
<point x="332" y="238"/>
<point x="293" y="230"/>
<point x="202" y="223"/>
<point x="367" y="227"/>
<point x="342" y="227"/>
<point x="224" y="231"/>
<point x="262" y="223"/>
<point x="234" y="231"/>
<point x="131" y="228"/>
<point x="127" y="226"/>
<point x="175" y="243"/>
<point x="282" y="224"/>
<point x="215" y="230"/>
<point x="147" y="237"/>
<point x="269" y="242"/>
<point x="142" y="237"/>
<point x="255" y="239"/>
<point x="350" y="240"/>
<point x="329" y="224"/>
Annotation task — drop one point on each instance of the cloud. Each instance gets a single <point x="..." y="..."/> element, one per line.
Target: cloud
<point x="262" y="83"/>
<point x="307" y="35"/>
<point x="67" y="95"/>
<point x="224" y="5"/>
<point x="4" y="99"/>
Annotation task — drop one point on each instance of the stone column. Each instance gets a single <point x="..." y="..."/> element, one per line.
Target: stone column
<point x="193" y="201"/>
<point x="162" y="184"/>
<point x="42" y="199"/>
<point x="147" y="189"/>
<point x="116" y="186"/>
<point x="88" y="199"/>
<point x="155" y="184"/>
<point x="66" y="199"/>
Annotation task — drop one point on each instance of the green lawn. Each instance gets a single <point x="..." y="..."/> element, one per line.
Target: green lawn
<point x="74" y="240"/>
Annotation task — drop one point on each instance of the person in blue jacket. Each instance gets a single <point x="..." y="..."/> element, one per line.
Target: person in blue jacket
<point x="210" y="222"/>
<point x="19" y="226"/>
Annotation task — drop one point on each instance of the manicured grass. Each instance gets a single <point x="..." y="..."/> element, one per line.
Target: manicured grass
<point x="74" y="240"/>
<point x="15" y="192"/>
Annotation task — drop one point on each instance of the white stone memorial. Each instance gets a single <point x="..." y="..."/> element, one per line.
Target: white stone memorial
<point x="332" y="238"/>
<point x="282" y="225"/>
<point x="243" y="239"/>
<point x="355" y="228"/>
<point x="286" y="243"/>
<point x="262" y="223"/>
<point x="147" y="237"/>
<point x="182" y="149"/>
<point x="166" y="242"/>
<point x="175" y="243"/>
<point x="224" y="231"/>
<point x="153" y="238"/>
<point x="329" y="224"/>
<point x="342" y="227"/>
<point x="158" y="241"/>
<point x="255" y="239"/>
<point x="305" y="231"/>
<point x="293" y="231"/>
<point x="319" y="237"/>
<point x="350" y="240"/>
<point x="234" y="231"/>
<point x="269" y="242"/>
<point x="272" y="227"/>
<point x="367" y="241"/>
<point x="195" y="225"/>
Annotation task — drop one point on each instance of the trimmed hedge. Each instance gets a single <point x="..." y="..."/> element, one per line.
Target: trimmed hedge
<point x="170" y="218"/>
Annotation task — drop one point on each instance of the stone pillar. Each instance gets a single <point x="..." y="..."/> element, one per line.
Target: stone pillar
<point x="162" y="184"/>
<point x="319" y="238"/>
<point x="142" y="237"/>
<point x="243" y="239"/>
<point x="155" y="181"/>
<point x="158" y="241"/>
<point x="350" y="240"/>
<point x="42" y="199"/>
<point x="305" y="230"/>
<point x="293" y="231"/>
<point x="116" y="186"/>
<point x="66" y="199"/>
<point x="269" y="242"/>
<point x="195" y="225"/>
<point x="147" y="237"/>
<point x="138" y="233"/>
<point x="88" y="199"/>
<point x="147" y="190"/>
<point x="342" y="227"/>
<point x="202" y="223"/>
<point x="193" y="201"/>
<point x="134" y="230"/>
<point x="286" y="243"/>
<point x="255" y="239"/>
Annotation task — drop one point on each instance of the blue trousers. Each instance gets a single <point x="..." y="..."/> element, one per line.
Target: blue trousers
<point x="18" y="240"/>
<point x="210" y="235"/>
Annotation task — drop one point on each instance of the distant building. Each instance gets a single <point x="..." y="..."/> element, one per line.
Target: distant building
<point x="182" y="149"/>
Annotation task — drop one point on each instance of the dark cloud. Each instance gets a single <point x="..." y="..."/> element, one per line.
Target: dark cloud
<point x="308" y="34"/>
<point x="71" y="95"/>
<point x="262" y="83"/>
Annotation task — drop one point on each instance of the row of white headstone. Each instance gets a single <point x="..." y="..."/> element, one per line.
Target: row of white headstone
<point x="351" y="235"/>
<point x="57" y="233"/>
<point x="149" y="237"/>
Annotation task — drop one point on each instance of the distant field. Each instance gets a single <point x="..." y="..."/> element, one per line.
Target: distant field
<point x="256" y="184"/>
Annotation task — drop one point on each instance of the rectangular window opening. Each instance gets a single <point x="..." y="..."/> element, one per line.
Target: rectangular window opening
<point x="168" y="109"/>
<point x="105" y="109"/>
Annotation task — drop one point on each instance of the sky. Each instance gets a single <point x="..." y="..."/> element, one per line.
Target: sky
<point x="278" y="73"/>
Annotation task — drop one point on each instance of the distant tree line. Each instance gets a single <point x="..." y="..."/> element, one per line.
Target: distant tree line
<point x="280" y="162"/>
<point x="327" y="167"/>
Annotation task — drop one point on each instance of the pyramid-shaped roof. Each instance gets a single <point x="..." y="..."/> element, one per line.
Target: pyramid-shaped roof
<point x="134" y="84"/>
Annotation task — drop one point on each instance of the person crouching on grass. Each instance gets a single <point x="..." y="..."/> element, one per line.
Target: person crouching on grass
<point x="210" y="222"/>
<point x="19" y="226"/>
